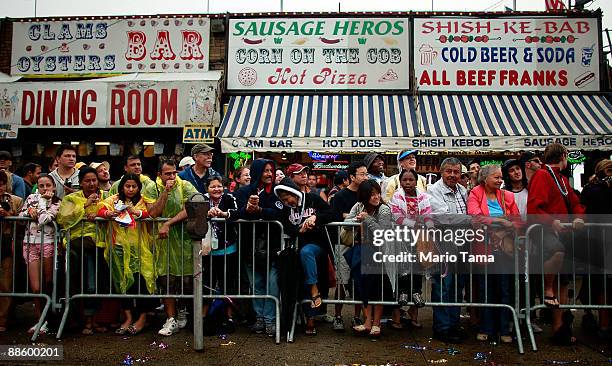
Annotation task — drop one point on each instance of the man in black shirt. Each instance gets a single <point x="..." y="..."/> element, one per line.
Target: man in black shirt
<point x="341" y="203"/>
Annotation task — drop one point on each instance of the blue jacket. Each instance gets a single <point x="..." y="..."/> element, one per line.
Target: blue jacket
<point x="199" y="184"/>
<point x="271" y="210"/>
<point x="18" y="187"/>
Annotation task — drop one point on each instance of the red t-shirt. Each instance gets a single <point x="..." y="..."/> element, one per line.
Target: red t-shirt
<point x="545" y="198"/>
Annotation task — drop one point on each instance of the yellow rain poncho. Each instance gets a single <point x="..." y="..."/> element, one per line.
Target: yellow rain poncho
<point x="180" y="248"/>
<point x="72" y="216"/>
<point x="143" y="179"/>
<point x="131" y="251"/>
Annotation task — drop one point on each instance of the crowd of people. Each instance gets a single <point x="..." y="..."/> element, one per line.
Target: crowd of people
<point x="146" y="258"/>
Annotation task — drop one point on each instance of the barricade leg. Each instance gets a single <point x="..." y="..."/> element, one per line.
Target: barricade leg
<point x="198" y="327"/>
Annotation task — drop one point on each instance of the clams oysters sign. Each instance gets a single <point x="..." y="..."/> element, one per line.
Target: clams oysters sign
<point x="314" y="54"/>
<point x="95" y="46"/>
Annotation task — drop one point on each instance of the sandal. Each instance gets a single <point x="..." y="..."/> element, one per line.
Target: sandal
<point x="133" y="330"/>
<point x="314" y="303"/>
<point x="397" y="325"/>
<point x="121" y="330"/>
<point x="88" y="330"/>
<point x="361" y="330"/>
<point x="551" y="302"/>
<point x="482" y="337"/>
<point x="100" y="329"/>
<point x="375" y="331"/>
<point x="506" y="339"/>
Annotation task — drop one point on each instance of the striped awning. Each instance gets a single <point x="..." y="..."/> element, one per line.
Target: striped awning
<point x="394" y="122"/>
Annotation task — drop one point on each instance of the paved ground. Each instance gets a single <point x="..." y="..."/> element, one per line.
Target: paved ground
<point x="410" y="347"/>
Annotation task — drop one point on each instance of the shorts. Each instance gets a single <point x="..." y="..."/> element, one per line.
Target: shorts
<point x="546" y="243"/>
<point x="31" y="252"/>
<point x="343" y="271"/>
<point x="171" y="285"/>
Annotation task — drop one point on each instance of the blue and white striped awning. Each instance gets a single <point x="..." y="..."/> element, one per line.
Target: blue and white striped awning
<point x="393" y="122"/>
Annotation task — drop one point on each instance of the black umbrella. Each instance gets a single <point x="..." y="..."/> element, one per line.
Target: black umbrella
<point x="289" y="278"/>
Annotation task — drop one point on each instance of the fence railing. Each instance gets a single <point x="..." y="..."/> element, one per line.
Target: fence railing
<point x="19" y="277"/>
<point x="95" y="261"/>
<point x="247" y="252"/>
<point x="582" y="275"/>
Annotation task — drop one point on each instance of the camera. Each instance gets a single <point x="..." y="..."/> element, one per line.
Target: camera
<point x="5" y="203"/>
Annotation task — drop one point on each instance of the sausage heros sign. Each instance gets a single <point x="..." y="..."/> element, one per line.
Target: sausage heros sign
<point x="110" y="46"/>
<point x="313" y="53"/>
<point x="507" y="54"/>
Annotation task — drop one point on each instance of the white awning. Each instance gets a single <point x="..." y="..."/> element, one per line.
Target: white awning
<point x="393" y="122"/>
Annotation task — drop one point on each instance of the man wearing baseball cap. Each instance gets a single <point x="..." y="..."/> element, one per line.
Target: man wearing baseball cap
<point x="406" y="160"/>
<point x="199" y="173"/>
<point x="103" y="173"/>
<point x="531" y="163"/>
<point x="299" y="174"/>
<point x="185" y="163"/>
<point x="15" y="183"/>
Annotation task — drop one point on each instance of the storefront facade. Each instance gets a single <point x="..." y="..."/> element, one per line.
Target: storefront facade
<point x="141" y="81"/>
<point x="451" y="84"/>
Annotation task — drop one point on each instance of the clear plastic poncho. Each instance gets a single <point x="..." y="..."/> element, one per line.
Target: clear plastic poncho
<point x="128" y="251"/>
<point x="72" y="217"/>
<point x="175" y="252"/>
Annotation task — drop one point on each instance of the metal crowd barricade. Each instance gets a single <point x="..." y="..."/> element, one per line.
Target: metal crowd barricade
<point x="577" y="270"/>
<point x="101" y="284"/>
<point x="417" y="274"/>
<point x="219" y="283"/>
<point x="12" y="233"/>
<point x="202" y="265"/>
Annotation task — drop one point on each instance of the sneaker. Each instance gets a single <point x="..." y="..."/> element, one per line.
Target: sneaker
<point x="259" y="326"/>
<point x="170" y="327"/>
<point x="324" y="318"/>
<point x="181" y="318"/>
<point x="43" y="329"/>
<point x="536" y="328"/>
<point x="271" y="330"/>
<point x="338" y="325"/>
<point x="418" y="300"/>
<point x="228" y="326"/>
<point x="403" y="299"/>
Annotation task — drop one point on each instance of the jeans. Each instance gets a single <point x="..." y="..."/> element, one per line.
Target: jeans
<point x="264" y="309"/>
<point x="445" y="317"/>
<point x="495" y="320"/>
<point x="309" y="254"/>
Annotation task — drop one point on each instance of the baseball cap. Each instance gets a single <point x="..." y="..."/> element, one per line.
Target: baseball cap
<point x="187" y="160"/>
<point x="510" y="163"/>
<point x="79" y="165"/>
<point x="296" y="168"/>
<point x="200" y="148"/>
<point x="5" y="155"/>
<point x="527" y="156"/>
<point x="97" y="165"/>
